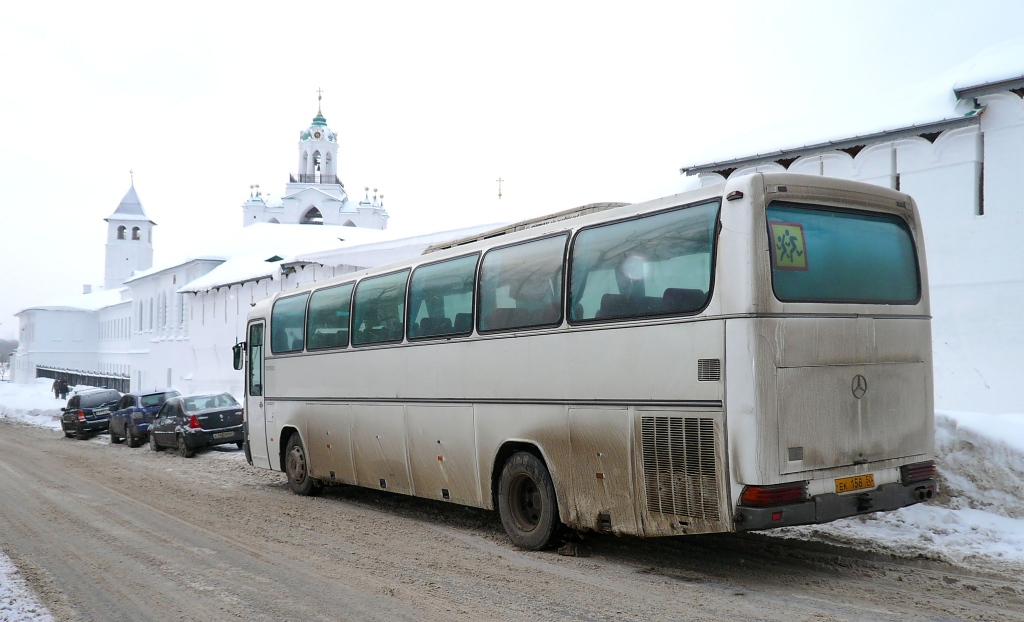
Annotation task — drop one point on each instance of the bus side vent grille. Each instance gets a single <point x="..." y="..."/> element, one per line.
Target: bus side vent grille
<point x="680" y="473"/>
<point x="709" y="370"/>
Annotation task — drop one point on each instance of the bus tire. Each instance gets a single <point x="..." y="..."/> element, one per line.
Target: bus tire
<point x="527" y="502"/>
<point x="296" y="465"/>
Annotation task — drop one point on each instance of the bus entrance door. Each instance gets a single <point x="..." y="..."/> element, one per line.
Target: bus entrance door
<point x="255" y="414"/>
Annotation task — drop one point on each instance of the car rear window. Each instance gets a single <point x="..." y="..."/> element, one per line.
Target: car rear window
<point x="206" y="402"/>
<point x="157" y="398"/>
<point x="91" y="400"/>
<point x="820" y="254"/>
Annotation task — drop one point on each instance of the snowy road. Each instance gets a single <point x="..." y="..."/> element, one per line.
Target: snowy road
<point x="104" y="532"/>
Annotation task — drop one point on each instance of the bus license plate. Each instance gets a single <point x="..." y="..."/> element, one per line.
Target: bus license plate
<point x="857" y="482"/>
<point x="229" y="434"/>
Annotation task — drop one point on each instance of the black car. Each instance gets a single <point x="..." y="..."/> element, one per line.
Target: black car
<point x="133" y="413"/>
<point x="88" y="412"/>
<point x="193" y="421"/>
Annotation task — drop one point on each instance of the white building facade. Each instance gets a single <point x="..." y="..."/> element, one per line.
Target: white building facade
<point x="151" y="329"/>
<point x="961" y="156"/>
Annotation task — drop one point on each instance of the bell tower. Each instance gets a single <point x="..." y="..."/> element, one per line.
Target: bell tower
<point x="315" y="194"/>
<point x="129" y="241"/>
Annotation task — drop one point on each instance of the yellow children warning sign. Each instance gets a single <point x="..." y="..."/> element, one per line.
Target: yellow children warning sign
<point x="789" y="251"/>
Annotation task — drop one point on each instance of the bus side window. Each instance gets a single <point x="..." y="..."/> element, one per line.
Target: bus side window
<point x="521" y="285"/>
<point x="655" y="265"/>
<point x="439" y="295"/>
<point x="328" y="317"/>
<point x="378" y="311"/>
<point x="287" y="322"/>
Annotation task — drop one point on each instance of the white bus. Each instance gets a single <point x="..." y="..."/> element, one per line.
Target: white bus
<point x="751" y="355"/>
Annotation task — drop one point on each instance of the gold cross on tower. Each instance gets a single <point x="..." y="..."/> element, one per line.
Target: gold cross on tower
<point x="499" y="180"/>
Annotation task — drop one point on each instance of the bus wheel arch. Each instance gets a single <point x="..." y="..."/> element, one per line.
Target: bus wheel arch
<point x="295" y="464"/>
<point x="524" y="493"/>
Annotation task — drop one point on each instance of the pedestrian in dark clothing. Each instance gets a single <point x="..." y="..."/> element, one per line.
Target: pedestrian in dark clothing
<point x="63" y="389"/>
<point x="56" y="389"/>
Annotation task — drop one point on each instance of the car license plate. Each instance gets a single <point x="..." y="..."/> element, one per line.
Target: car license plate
<point x="223" y="435"/>
<point x="857" y="482"/>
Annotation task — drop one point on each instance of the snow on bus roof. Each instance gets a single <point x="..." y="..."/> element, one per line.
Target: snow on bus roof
<point x="927" y="104"/>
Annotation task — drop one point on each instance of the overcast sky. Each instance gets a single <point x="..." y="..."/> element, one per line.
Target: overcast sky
<point x="569" y="103"/>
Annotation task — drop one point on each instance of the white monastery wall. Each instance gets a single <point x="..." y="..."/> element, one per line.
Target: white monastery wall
<point x="967" y="186"/>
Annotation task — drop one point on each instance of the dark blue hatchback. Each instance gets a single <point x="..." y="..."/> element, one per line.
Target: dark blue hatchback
<point x="135" y="411"/>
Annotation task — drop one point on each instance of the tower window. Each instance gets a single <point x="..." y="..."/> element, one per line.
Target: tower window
<point x="120" y="232"/>
<point x="136" y="233"/>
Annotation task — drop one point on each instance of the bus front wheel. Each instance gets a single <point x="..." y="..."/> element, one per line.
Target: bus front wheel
<point x="297" y="466"/>
<point x="527" y="503"/>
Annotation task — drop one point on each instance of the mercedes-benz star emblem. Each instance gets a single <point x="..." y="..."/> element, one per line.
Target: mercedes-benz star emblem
<point x="859" y="386"/>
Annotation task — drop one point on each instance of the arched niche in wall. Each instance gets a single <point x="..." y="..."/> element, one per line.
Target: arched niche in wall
<point x="312" y="217"/>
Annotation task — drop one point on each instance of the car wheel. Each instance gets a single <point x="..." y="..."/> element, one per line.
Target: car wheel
<point x="129" y="433"/>
<point x="297" y="467"/>
<point x="239" y="444"/>
<point x="527" y="503"/>
<point x="152" y="442"/>
<point x="114" y="438"/>
<point x="67" y="433"/>
<point x="183" y="449"/>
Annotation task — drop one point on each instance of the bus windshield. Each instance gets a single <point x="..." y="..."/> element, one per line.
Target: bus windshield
<point x="820" y="254"/>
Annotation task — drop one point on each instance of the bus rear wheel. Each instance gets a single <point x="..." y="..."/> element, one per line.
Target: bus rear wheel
<point x="527" y="503"/>
<point x="296" y="465"/>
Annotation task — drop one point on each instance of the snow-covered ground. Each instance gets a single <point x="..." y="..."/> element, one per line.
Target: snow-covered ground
<point x="977" y="521"/>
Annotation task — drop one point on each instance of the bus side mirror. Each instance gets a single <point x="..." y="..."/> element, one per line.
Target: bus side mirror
<point x="238" y="355"/>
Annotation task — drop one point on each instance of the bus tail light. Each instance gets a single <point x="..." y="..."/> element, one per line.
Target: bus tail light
<point x="193" y="423"/>
<point x="81" y="415"/>
<point x="763" y="496"/>
<point x="917" y="472"/>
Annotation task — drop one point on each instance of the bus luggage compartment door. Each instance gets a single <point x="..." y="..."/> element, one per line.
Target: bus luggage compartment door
<point x="602" y="483"/>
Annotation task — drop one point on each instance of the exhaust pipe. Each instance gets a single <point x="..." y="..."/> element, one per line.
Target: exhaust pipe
<point x="923" y="494"/>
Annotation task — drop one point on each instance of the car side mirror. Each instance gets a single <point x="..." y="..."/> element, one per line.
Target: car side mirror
<point x="238" y="355"/>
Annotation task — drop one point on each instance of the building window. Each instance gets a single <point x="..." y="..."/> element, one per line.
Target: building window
<point x="135" y="233"/>
<point x="120" y="232"/>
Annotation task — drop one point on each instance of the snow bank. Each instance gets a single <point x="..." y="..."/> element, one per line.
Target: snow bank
<point x="31" y="403"/>
<point x="977" y="520"/>
<point x="17" y="604"/>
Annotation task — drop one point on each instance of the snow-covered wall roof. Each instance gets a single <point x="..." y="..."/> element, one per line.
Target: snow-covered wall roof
<point x="85" y="302"/>
<point x="930" y="105"/>
<point x="245" y="256"/>
<point x="999" y="63"/>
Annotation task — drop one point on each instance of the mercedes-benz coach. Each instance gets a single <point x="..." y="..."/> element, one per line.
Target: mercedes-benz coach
<point x="750" y="355"/>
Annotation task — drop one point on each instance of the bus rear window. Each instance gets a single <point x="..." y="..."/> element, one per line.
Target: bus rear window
<point x="820" y="254"/>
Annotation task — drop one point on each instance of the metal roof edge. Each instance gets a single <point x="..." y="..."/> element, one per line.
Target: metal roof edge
<point x="989" y="88"/>
<point x="972" y="118"/>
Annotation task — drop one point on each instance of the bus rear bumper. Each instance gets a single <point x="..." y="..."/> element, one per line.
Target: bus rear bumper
<point x="828" y="507"/>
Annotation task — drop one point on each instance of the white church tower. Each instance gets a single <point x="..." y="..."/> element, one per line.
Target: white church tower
<point x="129" y="241"/>
<point x="316" y="195"/>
